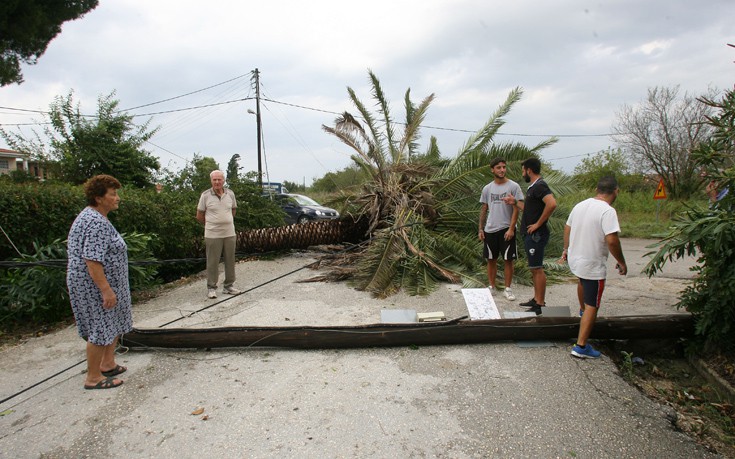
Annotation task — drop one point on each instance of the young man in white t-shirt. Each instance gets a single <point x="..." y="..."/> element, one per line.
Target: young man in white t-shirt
<point x="591" y="233"/>
<point x="497" y="225"/>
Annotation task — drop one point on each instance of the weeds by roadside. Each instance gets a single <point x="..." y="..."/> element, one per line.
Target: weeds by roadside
<point x="668" y="376"/>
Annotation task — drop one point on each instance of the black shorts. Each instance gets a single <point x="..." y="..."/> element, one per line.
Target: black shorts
<point x="592" y="291"/>
<point x="496" y="246"/>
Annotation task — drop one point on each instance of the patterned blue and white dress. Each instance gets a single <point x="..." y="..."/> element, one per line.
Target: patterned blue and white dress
<point x="92" y="237"/>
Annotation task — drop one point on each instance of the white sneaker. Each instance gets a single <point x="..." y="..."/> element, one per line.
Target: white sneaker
<point x="212" y="293"/>
<point x="231" y="290"/>
<point x="509" y="294"/>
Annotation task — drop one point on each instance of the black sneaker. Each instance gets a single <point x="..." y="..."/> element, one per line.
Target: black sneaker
<point x="535" y="308"/>
<point x="529" y="304"/>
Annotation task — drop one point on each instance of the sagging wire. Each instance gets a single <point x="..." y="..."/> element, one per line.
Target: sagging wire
<point x="122" y="342"/>
<point x="62" y="262"/>
<point x="10" y="240"/>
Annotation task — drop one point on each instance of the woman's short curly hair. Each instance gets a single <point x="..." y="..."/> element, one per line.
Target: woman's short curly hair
<point x="97" y="186"/>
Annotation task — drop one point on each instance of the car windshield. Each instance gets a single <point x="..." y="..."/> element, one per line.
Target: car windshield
<point x="304" y="201"/>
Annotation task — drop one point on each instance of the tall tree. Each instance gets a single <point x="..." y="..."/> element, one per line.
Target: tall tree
<point x="78" y="146"/>
<point x="607" y="162"/>
<point x="661" y="132"/>
<point x="421" y="211"/>
<point x="350" y="176"/>
<point x="194" y="176"/>
<point x="28" y="26"/>
<point x="233" y="169"/>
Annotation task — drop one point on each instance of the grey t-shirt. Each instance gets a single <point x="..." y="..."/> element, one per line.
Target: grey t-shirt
<point x="498" y="212"/>
<point x="218" y="218"/>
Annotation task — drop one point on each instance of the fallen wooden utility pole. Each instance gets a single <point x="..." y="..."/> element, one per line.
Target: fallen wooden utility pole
<point x="420" y="334"/>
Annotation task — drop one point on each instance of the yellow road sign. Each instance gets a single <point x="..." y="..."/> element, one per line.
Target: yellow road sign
<point x="660" y="190"/>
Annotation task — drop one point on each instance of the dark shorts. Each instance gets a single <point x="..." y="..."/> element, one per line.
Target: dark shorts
<point x="496" y="246"/>
<point x="535" y="244"/>
<point x="592" y="291"/>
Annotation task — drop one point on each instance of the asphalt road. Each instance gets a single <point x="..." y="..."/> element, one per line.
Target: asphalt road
<point x="526" y="399"/>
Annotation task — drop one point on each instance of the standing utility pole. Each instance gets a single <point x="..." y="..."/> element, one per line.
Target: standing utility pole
<point x="256" y="78"/>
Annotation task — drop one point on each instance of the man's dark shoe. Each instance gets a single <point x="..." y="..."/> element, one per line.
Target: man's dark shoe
<point x="536" y="309"/>
<point x="529" y="304"/>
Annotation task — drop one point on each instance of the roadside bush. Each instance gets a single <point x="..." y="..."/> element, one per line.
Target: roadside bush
<point x="709" y="234"/>
<point x="254" y="211"/>
<point x="639" y="215"/>
<point x="38" y="292"/>
<point x="35" y="214"/>
<point x="169" y="219"/>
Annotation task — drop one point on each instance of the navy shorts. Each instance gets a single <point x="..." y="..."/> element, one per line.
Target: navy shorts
<point x="535" y="245"/>
<point x="592" y="291"/>
<point x="496" y="246"/>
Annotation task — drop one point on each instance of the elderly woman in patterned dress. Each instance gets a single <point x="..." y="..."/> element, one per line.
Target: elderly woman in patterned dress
<point x="97" y="279"/>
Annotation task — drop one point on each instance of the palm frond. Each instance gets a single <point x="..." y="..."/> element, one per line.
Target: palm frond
<point x="415" y="116"/>
<point x="560" y="183"/>
<point x="422" y="212"/>
<point x="485" y="135"/>
<point x="471" y="172"/>
<point x="378" y="267"/>
<point x="376" y="150"/>
<point x="384" y="109"/>
<point x="418" y="278"/>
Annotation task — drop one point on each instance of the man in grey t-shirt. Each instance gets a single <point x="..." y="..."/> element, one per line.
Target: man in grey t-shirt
<point x="498" y="223"/>
<point x="216" y="211"/>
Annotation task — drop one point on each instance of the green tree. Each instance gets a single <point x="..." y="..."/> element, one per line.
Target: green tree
<point x="607" y="162"/>
<point x="661" y="132"/>
<point x="28" y="26"/>
<point x="422" y="214"/>
<point x="294" y="187"/>
<point x="81" y="146"/>
<point x="233" y="169"/>
<point x="709" y="234"/>
<point x="350" y="176"/>
<point x="194" y="176"/>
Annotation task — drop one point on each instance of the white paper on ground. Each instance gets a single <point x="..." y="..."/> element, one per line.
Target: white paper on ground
<point x="480" y="304"/>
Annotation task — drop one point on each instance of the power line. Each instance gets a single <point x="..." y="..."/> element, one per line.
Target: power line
<point x="184" y="95"/>
<point x="167" y="151"/>
<point x="443" y="128"/>
<point x="24" y="110"/>
<point x="194" y="108"/>
<point x="197" y="107"/>
<point x="24" y="124"/>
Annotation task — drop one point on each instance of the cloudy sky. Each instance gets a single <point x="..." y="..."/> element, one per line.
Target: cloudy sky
<point x="578" y="62"/>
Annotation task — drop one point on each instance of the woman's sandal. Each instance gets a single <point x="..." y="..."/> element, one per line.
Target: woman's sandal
<point x="119" y="369"/>
<point x="107" y="383"/>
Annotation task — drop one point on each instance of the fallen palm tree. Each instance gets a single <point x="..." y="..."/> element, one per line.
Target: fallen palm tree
<point x="344" y="230"/>
<point x="456" y="331"/>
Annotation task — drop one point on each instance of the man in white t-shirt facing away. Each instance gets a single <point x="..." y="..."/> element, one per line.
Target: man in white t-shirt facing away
<point x="497" y="225"/>
<point x="591" y="233"/>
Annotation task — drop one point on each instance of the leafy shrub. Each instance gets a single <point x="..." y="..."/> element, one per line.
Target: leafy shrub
<point x="38" y="292"/>
<point x="709" y="234"/>
<point x="639" y="214"/>
<point x="35" y="214"/>
<point x="169" y="220"/>
<point x="254" y="211"/>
